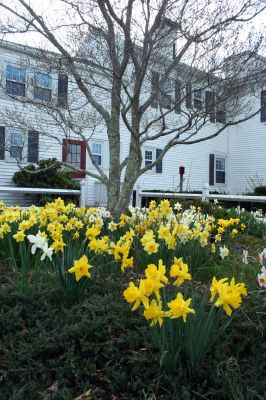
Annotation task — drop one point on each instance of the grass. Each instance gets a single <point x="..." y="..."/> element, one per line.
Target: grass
<point x="56" y="349"/>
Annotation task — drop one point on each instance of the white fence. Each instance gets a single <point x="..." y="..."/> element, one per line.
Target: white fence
<point x="204" y="196"/>
<point x="100" y="194"/>
<point x="11" y="189"/>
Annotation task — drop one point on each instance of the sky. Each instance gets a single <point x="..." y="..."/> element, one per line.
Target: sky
<point x="52" y="11"/>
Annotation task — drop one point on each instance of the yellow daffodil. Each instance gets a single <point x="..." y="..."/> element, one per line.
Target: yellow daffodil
<point x="81" y="268"/>
<point x="180" y="270"/>
<point x="137" y="295"/>
<point x="180" y="307"/>
<point x="155" y="312"/>
<point x="19" y="236"/>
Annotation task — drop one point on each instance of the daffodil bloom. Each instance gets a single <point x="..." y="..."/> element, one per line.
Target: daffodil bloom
<point x="37" y="241"/>
<point x="262" y="280"/>
<point x="58" y="245"/>
<point x="180" y="270"/>
<point x="112" y="226"/>
<point x="137" y="295"/>
<point x="6" y="228"/>
<point x="180" y="307"/>
<point x="19" y="236"/>
<point x="163" y="232"/>
<point x="228" y="298"/>
<point x="154" y="273"/>
<point x="216" y="286"/>
<point x="155" y="312"/>
<point x="47" y="252"/>
<point x="151" y="247"/>
<point x="224" y="252"/>
<point x="81" y="268"/>
<point x="245" y="257"/>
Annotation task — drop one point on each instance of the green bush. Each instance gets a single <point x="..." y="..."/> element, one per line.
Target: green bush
<point x="47" y="174"/>
<point x="260" y="191"/>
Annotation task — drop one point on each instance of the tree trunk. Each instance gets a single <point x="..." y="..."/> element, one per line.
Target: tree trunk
<point x="119" y="205"/>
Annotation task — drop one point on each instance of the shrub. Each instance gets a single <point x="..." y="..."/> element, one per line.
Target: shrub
<point x="47" y="174"/>
<point x="260" y="191"/>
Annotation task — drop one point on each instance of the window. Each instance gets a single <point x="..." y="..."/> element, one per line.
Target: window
<point x="42" y="87"/>
<point x="16" y="144"/>
<point x="164" y="92"/>
<point x="215" y="114"/>
<point x="97" y="153"/>
<point x="148" y="157"/>
<point x="15" y="81"/>
<point x="197" y="94"/>
<point x="263" y="106"/>
<point x="74" y="153"/>
<point x="217" y="166"/>
<point x="220" y="169"/>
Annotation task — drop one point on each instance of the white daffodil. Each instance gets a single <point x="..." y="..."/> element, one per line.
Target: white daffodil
<point x="112" y="226"/>
<point x="224" y="252"/>
<point x="245" y="257"/>
<point x="177" y="206"/>
<point x="262" y="280"/>
<point x="47" y="252"/>
<point x="38" y="242"/>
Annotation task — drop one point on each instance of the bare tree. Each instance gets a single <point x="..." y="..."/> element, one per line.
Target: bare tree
<point x="125" y="58"/>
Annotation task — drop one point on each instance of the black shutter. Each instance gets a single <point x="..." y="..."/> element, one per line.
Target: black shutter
<point x="134" y="195"/>
<point x="178" y="96"/>
<point x="33" y="146"/>
<point x="221" y="117"/>
<point x="210" y="105"/>
<point x="2" y="142"/>
<point x="154" y="87"/>
<point x="263" y="106"/>
<point x="174" y="50"/>
<point x="159" y="165"/>
<point x="188" y="95"/>
<point x="211" y="169"/>
<point x="62" y="90"/>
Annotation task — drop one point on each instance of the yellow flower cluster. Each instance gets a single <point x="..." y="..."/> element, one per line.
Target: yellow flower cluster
<point x="229" y="294"/>
<point x="155" y="280"/>
<point x="159" y="228"/>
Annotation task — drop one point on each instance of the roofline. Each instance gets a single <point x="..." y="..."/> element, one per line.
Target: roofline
<point x="30" y="50"/>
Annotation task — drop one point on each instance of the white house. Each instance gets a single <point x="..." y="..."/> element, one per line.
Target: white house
<point x="226" y="162"/>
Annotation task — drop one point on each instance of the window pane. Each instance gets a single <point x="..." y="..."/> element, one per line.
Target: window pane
<point x="97" y="159"/>
<point x="198" y="98"/>
<point x="43" y="80"/>
<point x="96" y="148"/>
<point x="15" y="74"/>
<point x="16" y="138"/>
<point x="74" y="155"/>
<point x="148" y="155"/>
<point x="220" y="177"/>
<point x="147" y="163"/>
<point x="15" y="89"/>
<point x="42" y="94"/>
<point x="16" y="152"/>
<point x="220" y="164"/>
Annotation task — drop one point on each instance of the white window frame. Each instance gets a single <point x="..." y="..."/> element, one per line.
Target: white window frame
<point x="24" y="158"/>
<point x="221" y="156"/>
